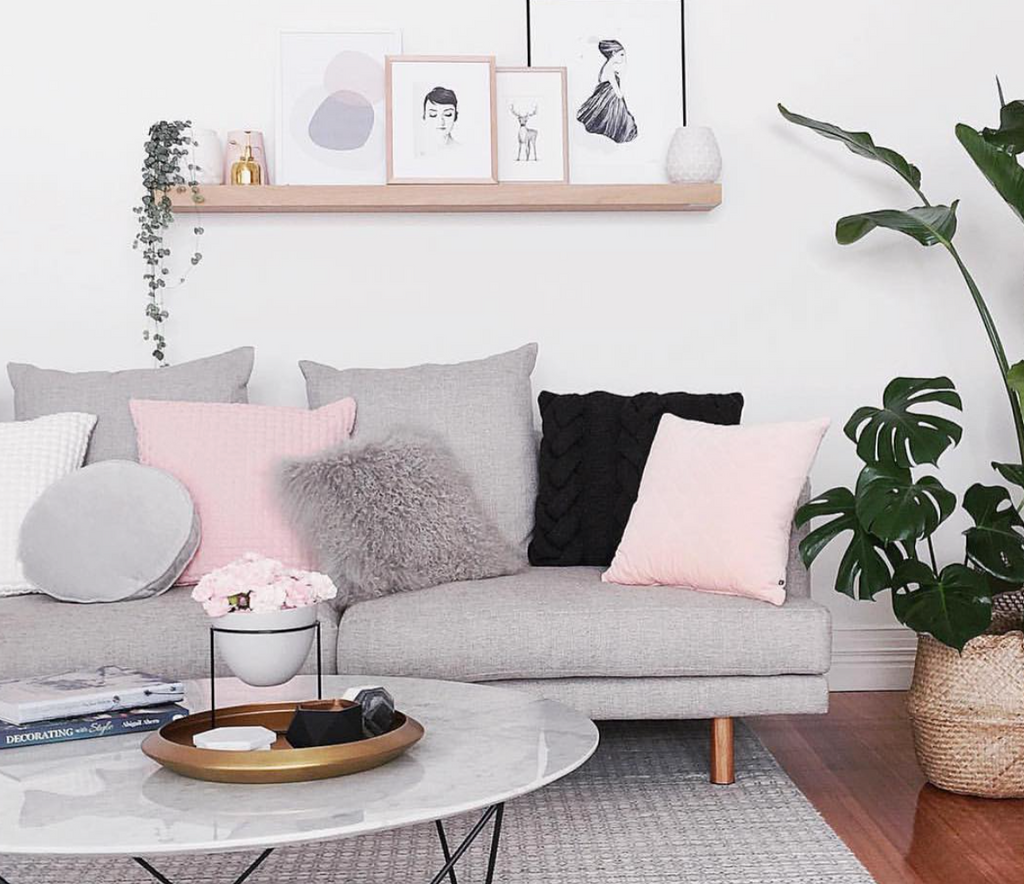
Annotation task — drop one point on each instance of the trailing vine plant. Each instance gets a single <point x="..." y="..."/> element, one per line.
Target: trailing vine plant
<point x="168" y="145"/>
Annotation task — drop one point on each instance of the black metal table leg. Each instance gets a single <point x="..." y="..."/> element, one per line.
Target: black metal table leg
<point x="496" y="811"/>
<point x="253" y="866"/>
<point x="444" y="850"/>
<point x="495" y="837"/>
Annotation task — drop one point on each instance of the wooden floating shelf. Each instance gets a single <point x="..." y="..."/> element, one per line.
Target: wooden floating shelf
<point x="456" y="198"/>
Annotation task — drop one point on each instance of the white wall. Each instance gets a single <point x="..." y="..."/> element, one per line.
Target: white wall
<point x="755" y="296"/>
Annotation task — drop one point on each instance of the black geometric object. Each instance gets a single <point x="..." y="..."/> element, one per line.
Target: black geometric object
<point x="325" y="723"/>
<point x="378" y="710"/>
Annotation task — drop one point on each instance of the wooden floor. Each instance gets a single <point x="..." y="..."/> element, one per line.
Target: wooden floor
<point x="857" y="767"/>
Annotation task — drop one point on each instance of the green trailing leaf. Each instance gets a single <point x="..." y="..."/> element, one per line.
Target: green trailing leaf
<point x="897" y="435"/>
<point x="867" y="565"/>
<point x="1001" y="169"/>
<point x="862" y="144"/>
<point x="954" y="606"/>
<point x="893" y="507"/>
<point x="929" y="225"/>
<point x="1012" y="472"/>
<point x="996" y="542"/>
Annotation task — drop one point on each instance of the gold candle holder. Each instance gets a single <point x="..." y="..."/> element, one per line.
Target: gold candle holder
<point x="246" y="171"/>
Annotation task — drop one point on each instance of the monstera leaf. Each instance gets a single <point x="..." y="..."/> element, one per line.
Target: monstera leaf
<point x="893" y="507"/>
<point x="1001" y="169"/>
<point x="862" y="144"/>
<point x="1012" y="472"/>
<point x="867" y="564"/>
<point x="954" y="606"/>
<point x="896" y="435"/>
<point x="996" y="542"/>
<point x="929" y="225"/>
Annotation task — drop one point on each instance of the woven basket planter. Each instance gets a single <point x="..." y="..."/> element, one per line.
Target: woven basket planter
<point x="968" y="715"/>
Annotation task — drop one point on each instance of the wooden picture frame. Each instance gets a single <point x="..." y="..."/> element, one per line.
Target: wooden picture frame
<point x="434" y="155"/>
<point x="626" y="82"/>
<point x="562" y="176"/>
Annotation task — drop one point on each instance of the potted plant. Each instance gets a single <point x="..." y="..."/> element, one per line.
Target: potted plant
<point x="966" y="701"/>
<point x="265" y="615"/>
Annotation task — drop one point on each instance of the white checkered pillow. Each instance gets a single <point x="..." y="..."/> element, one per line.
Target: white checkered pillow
<point x="33" y="455"/>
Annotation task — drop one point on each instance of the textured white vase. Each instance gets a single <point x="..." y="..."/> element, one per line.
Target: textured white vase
<point x="263" y="660"/>
<point x="207" y="156"/>
<point x="693" y="156"/>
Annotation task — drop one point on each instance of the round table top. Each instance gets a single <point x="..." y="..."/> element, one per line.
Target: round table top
<point x="483" y="745"/>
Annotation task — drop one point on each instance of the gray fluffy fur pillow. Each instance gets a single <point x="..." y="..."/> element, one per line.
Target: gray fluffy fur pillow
<point x="392" y="515"/>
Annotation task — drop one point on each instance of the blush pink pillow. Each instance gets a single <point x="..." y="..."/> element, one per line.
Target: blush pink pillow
<point x="716" y="506"/>
<point x="227" y="456"/>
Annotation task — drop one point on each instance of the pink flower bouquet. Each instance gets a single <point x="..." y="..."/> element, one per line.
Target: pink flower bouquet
<point x="261" y="585"/>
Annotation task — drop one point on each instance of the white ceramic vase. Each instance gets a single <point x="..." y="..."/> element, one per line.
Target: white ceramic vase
<point x="693" y="156"/>
<point x="262" y="660"/>
<point x="207" y="156"/>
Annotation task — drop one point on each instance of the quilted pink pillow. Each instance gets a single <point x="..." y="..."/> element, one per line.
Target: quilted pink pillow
<point x="716" y="507"/>
<point x="227" y="456"/>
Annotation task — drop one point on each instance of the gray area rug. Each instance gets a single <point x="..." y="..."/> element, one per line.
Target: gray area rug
<point x="641" y="811"/>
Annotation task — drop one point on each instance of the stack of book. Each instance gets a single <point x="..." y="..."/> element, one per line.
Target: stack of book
<point x="102" y="702"/>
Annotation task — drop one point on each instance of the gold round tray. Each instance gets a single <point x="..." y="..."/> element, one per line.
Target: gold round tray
<point x="172" y="747"/>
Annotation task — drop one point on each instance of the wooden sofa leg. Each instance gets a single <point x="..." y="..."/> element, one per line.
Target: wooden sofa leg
<point x="722" y="768"/>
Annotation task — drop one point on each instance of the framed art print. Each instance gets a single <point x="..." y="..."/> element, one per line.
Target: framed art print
<point x="331" y="107"/>
<point x="441" y="125"/>
<point x="533" y="135"/>
<point x="625" y="81"/>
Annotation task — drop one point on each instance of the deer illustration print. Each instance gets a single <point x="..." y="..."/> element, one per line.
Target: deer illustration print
<point x="527" y="136"/>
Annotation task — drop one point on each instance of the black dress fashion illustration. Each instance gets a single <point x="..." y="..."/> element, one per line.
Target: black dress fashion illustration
<point x="605" y="112"/>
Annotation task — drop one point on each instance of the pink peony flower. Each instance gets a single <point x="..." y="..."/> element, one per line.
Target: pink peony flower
<point x="217" y="607"/>
<point x="265" y="599"/>
<point x="264" y="584"/>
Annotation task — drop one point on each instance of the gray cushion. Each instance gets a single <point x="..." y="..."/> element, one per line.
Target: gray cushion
<point x="482" y="410"/>
<point x="109" y="532"/>
<point x="566" y="623"/>
<point x="391" y="516"/>
<point x="167" y="635"/>
<point x="40" y="391"/>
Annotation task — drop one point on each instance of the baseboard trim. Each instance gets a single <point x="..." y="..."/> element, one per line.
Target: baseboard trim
<point x="872" y="659"/>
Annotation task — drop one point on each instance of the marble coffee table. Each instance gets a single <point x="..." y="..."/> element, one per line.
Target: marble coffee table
<point x="483" y="746"/>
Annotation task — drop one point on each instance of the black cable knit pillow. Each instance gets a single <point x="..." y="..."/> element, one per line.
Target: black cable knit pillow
<point x="592" y="456"/>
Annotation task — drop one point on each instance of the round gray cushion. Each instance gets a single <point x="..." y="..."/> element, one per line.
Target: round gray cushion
<point x="109" y="532"/>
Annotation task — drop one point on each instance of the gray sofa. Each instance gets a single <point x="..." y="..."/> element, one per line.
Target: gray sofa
<point x="613" y="652"/>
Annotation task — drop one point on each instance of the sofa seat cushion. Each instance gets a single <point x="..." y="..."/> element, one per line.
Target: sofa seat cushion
<point x="566" y="623"/>
<point x="166" y="635"/>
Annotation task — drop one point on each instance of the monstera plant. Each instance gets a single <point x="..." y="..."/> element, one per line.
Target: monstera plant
<point x="892" y="513"/>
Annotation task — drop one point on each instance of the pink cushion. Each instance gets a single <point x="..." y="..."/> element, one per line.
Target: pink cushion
<point x="227" y="456"/>
<point x="716" y="507"/>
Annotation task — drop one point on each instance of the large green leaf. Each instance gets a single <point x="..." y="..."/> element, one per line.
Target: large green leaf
<point x="929" y="225"/>
<point x="1010" y="134"/>
<point x="996" y="542"/>
<point x="1001" y="169"/>
<point x="954" y="606"/>
<point x="867" y="564"/>
<point x="862" y="144"/>
<point x="896" y="435"/>
<point x="1015" y="378"/>
<point x="893" y="507"/>
<point x="1012" y="472"/>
